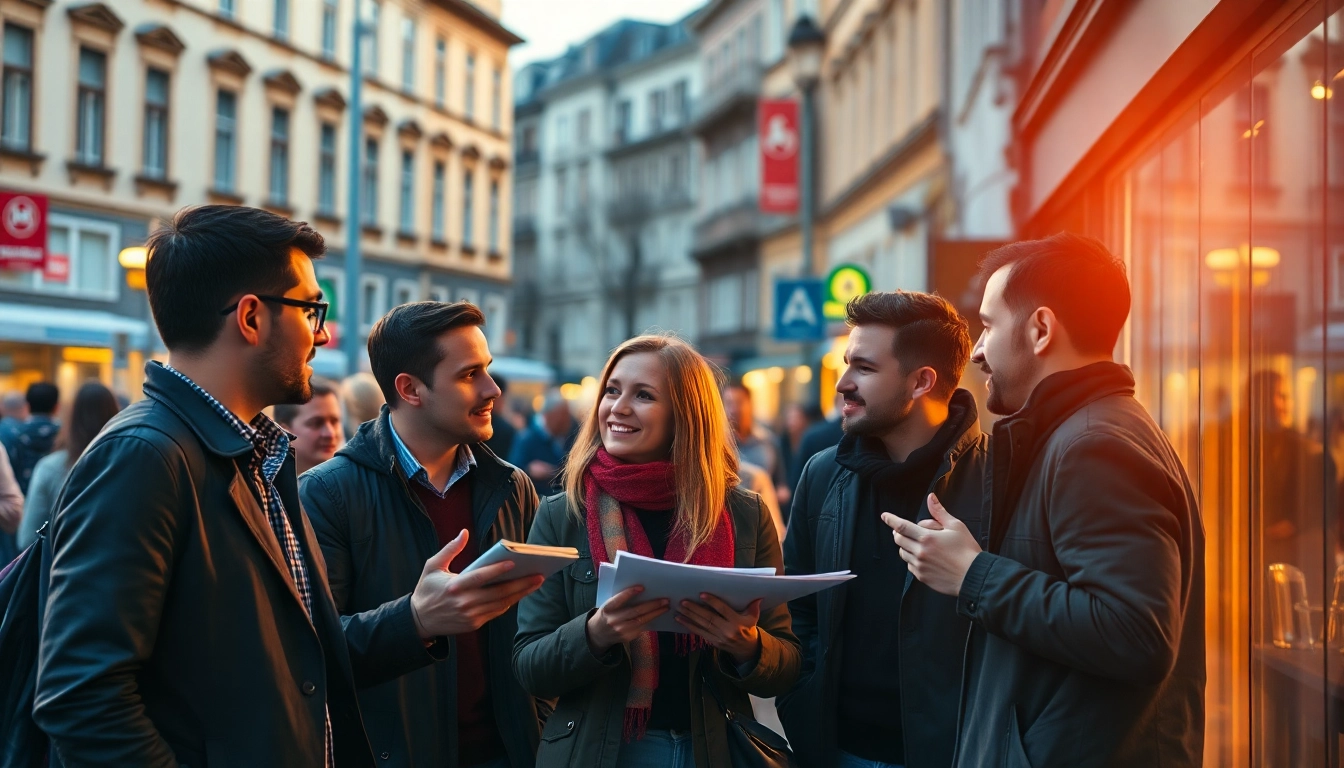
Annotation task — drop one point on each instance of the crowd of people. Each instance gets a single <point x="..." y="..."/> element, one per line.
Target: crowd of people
<point x="228" y="587"/>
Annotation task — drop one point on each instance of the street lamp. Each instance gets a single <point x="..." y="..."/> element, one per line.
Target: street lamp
<point x="354" y="217"/>
<point x="807" y="46"/>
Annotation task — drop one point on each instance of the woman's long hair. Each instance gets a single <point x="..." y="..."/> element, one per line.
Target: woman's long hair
<point x="704" y="459"/>
<point x="95" y="405"/>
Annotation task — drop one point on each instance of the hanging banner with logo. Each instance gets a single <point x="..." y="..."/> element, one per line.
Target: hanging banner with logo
<point x="23" y="231"/>
<point x="779" y="141"/>
<point x="56" y="268"/>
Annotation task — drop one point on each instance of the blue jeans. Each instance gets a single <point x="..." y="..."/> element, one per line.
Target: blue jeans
<point x="847" y="760"/>
<point x="658" y="749"/>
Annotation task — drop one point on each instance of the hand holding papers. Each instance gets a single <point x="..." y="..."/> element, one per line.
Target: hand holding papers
<point x="675" y="582"/>
<point x="528" y="559"/>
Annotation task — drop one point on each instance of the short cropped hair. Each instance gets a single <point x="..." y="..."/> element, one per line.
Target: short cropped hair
<point x="210" y="255"/>
<point x="929" y="332"/>
<point x="1076" y="277"/>
<point x="286" y="413"/>
<point x="42" y="398"/>
<point x="405" y="340"/>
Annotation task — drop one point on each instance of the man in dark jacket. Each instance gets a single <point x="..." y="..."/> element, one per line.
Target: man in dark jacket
<point x="882" y="656"/>
<point x="541" y="448"/>
<point x="415" y="479"/>
<point x="1088" y="602"/>
<point x="189" y="620"/>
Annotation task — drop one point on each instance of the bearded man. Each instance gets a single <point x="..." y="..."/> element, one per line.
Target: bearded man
<point x="882" y="657"/>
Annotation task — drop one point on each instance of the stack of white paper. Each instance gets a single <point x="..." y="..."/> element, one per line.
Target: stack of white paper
<point x="680" y="581"/>
<point x="528" y="559"/>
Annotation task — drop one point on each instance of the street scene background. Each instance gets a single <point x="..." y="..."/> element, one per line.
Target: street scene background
<point x="734" y="171"/>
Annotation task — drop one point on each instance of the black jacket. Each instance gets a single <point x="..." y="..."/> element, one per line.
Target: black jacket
<point x="174" y="633"/>
<point x="376" y="537"/>
<point x="1088" y="606"/>
<point x="933" y="637"/>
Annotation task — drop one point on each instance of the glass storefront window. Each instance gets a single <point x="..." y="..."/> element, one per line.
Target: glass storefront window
<point x="1232" y="225"/>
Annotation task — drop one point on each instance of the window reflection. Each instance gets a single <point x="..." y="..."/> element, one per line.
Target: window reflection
<point x="1233" y="228"/>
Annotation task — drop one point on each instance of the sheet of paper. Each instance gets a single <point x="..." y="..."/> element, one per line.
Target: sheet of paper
<point x="677" y="581"/>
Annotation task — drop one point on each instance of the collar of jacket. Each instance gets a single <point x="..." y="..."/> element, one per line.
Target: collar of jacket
<point x="1060" y="395"/>
<point x="372" y="447"/>
<point x="215" y="434"/>
<point x="962" y="416"/>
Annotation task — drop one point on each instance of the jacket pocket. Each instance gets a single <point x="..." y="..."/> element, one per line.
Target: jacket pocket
<point x="582" y="585"/>
<point x="1014" y="753"/>
<point x="559" y="737"/>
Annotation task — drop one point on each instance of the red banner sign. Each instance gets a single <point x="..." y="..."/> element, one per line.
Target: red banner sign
<point x="56" y="268"/>
<point x="779" y="140"/>
<point x="23" y="231"/>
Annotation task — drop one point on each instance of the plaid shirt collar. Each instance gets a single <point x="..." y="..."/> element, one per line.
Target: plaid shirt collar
<point x="416" y="471"/>
<point x="270" y="441"/>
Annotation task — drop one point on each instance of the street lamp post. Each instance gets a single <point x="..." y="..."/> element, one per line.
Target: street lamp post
<point x="350" y="302"/>
<point x="807" y="44"/>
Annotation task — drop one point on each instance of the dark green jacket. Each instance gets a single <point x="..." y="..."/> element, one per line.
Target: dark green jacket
<point x="376" y="537"/>
<point x="552" y="659"/>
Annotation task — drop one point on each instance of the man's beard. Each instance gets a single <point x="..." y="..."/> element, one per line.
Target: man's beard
<point x="287" y="377"/>
<point x="1004" y="379"/>
<point x="879" y="423"/>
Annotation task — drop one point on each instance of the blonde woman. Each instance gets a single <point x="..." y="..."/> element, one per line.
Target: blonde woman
<point x="653" y="472"/>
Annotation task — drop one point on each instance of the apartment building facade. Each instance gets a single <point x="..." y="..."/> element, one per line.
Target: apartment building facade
<point x="121" y="113"/>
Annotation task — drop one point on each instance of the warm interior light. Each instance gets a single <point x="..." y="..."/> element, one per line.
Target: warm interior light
<point x="1320" y="91"/>
<point x="87" y="355"/>
<point x="1226" y="259"/>
<point x="802" y="374"/>
<point x="775" y="374"/>
<point x="133" y="257"/>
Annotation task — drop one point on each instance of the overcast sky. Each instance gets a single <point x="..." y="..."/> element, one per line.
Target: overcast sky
<point x="550" y="26"/>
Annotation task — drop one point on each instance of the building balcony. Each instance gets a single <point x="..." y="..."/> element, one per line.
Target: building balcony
<point x="625" y="210"/>
<point x="741" y="225"/>
<point x="731" y="96"/>
<point x="524" y="229"/>
<point x="527" y="163"/>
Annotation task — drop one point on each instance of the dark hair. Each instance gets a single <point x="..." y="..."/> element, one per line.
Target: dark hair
<point x="42" y="398"/>
<point x="929" y="332"/>
<point x="405" y="340"/>
<point x="210" y="255"/>
<point x="95" y="405"/>
<point x="286" y="413"/>
<point x="1076" y="277"/>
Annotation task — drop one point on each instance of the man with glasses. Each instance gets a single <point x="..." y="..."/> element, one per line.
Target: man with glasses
<point x="190" y="620"/>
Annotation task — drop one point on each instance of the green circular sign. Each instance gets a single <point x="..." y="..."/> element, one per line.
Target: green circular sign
<point x="846" y="282"/>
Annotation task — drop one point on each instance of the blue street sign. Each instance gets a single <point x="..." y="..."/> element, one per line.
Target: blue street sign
<point x="798" y="310"/>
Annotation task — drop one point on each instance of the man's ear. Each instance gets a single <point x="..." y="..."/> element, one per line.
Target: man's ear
<point x="925" y="380"/>
<point x="409" y="388"/>
<point x="247" y="318"/>
<point x="1044" y="331"/>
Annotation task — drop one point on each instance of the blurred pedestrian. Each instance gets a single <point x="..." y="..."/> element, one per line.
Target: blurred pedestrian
<point x="11" y="500"/>
<point x="887" y="651"/>
<point x="362" y="399"/>
<point x="541" y="449"/>
<point x="424" y="457"/>
<point x="798" y="417"/>
<point x="189" y="619"/>
<point x="630" y="486"/>
<point x="13" y="412"/>
<point x="820" y="436"/>
<point x="26" y="444"/>
<point x="501" y="443"/>
<point x="1087" y="600"/>
<point x="94" y="406"/>
<point x="316" y="425"/>
<point x="756" y="443"/>
<point x="36" y="436"/>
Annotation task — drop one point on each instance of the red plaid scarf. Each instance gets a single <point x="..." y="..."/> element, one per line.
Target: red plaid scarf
<point x="614" y="490"/>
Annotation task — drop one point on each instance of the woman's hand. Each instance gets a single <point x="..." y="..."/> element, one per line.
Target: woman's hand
<point x="724" y="628"/>
<point x="617" y="621"/>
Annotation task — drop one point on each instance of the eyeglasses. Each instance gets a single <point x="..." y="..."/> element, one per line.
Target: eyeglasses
<point x="316" y="314"/>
